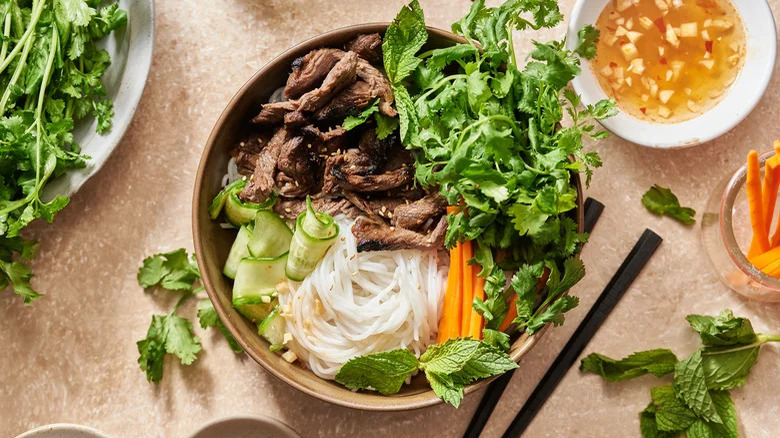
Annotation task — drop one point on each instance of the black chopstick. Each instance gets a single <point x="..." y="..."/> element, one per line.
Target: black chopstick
<point x="593" y="209"/>
<point x="617" y="286"/>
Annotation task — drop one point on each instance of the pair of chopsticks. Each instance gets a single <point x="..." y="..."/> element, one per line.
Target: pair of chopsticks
<point x="615" y="289"/>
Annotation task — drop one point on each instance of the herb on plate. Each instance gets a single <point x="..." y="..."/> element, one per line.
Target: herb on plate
<point x="662" y="201"/>
<point x="172" y="334"/>
<point x="449" y="367"/>
<point x="698" y="402"/>
<point x="50" y="71"/>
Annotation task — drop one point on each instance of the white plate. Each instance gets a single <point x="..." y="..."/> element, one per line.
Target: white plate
<point x="761" y="49"/>
<point x="131" y="56"/>
<point x="63" y="431"/>
<point x="245" y="427"/>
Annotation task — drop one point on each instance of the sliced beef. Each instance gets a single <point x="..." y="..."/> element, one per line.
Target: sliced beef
<point x="342" y="75"/>
<point x="374" y="148"/>
<point x="416" y="215"/>
<point x="309" y="71"/>
<point x="246" y="153"/>
<point x="367" y="45"/>
<point x="298" y="162"/>
<point x="378" y="236"/>
<point x="376" y="182"/>
<point x="262" y="180"/>
<point x="289" y="187"/>
<point x="352" y="162"/>
<point x="325" y="142"/>
<point x="273" y="113"/>
<point x="290" y="208"/>
<point x="350" y="101"/>
<point x="356" y="171"/>
<point x="380" y="87"/>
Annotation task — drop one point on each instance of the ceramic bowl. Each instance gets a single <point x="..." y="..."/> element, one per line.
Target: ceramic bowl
<point x="742" y="97"/>
<point x="212" y="243"/>
<point x="62" y="430"/>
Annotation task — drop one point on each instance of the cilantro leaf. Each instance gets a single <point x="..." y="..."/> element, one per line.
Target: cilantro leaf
<point x="588" y="36"/>
<point x="385" y="125"/>
<point x="662" y="201"/>
<point x="658" y="362"/>
<point x="497" y="339"/>
<point x="167" y="334"/>
<point x="352" y="122"/>
<point x="172" y="270"/>
<point x="19" y="275"/>
<point x="384" y="372"/>
<point x="207" y="316"/>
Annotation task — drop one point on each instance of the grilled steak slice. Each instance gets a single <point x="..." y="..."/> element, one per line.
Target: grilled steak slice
<point x="367" y="45"/>
<point x="354" y="171"/>
<point x="373" y="147"/>
<point x="273" y="113"/>
<point x="355" y="98"/>
<point x="414" y="216"/>
<point x="309" y="71"/>
<point x="261" y="182"/>
<point x="325" y="142"/>
<point x="376" y="182"/>
<point x="378" y="236"/>
<point x="342" y="75"/>
<point x="290" y="208"/>
<point x="380" y="87"/>
<point x="246" y="154"/>
<point x="289" y="187"/>
<point x="299" y="165"/>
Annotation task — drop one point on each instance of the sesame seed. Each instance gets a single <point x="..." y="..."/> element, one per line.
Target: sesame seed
<point x="390" y="214"/>
<point x="384" y="209"/>
<point x="242" y="143"/>
<point x="392" y="228"/>
<point x="411" y="256"/>
<point x="265" y="299"/>
<point x="296" y="183"/>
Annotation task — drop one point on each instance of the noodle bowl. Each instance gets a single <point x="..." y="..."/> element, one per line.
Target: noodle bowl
<point x="360" y="303"/>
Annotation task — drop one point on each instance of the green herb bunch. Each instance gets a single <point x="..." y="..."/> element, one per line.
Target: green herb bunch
<point x="491" y="134"/>
<point x="172" y="334"/>
<point x="698" y="401"/>
<point x="50" y="77"/>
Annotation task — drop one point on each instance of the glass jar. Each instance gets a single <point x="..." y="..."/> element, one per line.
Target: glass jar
<point x="726" y="234"/>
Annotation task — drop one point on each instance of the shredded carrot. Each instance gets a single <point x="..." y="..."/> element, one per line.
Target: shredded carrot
<point x="475" y="324"/>
<point x="760" y="242"/>
<point x="449" y="325"/>
<point x="467" y="280"/>
<point x="761" y="261"/>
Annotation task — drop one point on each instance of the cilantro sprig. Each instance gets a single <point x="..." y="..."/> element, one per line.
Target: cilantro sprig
<point x="172" y="334"/>
<point x="449" y="367"/>
<point x="698" y="402"/>
<point x="50" y="71"/>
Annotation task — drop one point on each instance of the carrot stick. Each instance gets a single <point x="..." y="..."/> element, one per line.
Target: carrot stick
<point x="753" y="187"/>
<point x="763" y="260"/>
<point x="468" y="289"/>
<point x="512" y="313"/>
<point x="449" y="326"/>
<point x="773" y="269"/>
<point x="769" y="190"/>
<point x="475" y="324"/>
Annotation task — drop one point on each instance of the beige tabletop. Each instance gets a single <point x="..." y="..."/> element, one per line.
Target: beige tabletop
<point x="71" y="357"/>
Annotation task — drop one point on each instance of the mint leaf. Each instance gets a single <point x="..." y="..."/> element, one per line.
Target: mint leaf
<point x="728" y="367"/>
<point x="690" y="384"/>
<point x="662" y="201"/>
<point x="725" y="329"/>
<point x="658" y="362"/>
<point x="207" y="316"/>
<point x="403" y="39"/>
<point x="727" y="429"/>
<point x="384" y="372"/>
<point x="671" y="414"/>
<point x="649" y="427"/>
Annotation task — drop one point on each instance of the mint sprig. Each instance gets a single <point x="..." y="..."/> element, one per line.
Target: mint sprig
<point x="449" y="367"/>
<point x="698" y="402"/>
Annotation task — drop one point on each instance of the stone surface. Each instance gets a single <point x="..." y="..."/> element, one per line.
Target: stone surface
<point x="71" y="357"/>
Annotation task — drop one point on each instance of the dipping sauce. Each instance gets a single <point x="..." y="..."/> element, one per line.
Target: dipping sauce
<point x="668" y="60"/>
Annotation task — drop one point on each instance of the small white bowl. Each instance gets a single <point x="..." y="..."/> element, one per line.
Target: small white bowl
<point x="741" y="98"/>
<point x="63" y="430"/>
